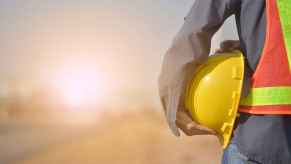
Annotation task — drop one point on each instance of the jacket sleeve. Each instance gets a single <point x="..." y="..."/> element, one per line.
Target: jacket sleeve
<point x="190" y="47"/>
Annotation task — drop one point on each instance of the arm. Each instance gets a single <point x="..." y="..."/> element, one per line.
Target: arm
<point x="190" y="48"/>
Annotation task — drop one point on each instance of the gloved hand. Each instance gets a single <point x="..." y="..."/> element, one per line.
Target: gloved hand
<point x="189" y="127"/>
<point x="228" y="46"/>
<point x="176" y="113"/>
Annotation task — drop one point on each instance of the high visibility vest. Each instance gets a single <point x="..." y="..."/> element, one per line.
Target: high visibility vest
<point x="271" y="82"/>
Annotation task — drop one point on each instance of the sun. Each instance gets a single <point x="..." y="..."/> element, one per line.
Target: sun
<point x="76" y="92"/>
<point x="82" y="87"/>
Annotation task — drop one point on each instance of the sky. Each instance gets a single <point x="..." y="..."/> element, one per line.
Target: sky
<point x="121" y="41"/>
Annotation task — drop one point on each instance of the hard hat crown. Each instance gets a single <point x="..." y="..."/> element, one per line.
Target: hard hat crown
<point x="213" y="94"/>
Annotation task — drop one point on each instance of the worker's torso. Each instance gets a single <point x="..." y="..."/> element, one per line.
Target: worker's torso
<point x="271" y="81"/>
<point x="264" y="138"/>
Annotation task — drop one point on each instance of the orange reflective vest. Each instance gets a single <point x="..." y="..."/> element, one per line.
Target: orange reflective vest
<point x="271" y="82"/>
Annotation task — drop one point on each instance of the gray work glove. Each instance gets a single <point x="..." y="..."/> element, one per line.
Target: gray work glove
<point x="176" y="113"/>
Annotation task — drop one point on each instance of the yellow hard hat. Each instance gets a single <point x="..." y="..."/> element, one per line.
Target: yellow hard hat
<point x="213" y="95"/>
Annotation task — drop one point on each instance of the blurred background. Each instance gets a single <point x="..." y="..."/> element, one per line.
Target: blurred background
<point x="78" y="83"/>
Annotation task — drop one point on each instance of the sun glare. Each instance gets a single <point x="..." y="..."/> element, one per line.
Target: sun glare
<point x="80" y="87"/>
